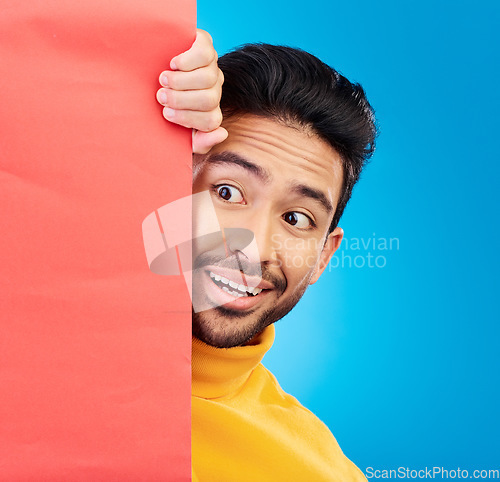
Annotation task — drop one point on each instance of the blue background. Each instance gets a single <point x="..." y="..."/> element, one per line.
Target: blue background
<point x="402" y="362"/>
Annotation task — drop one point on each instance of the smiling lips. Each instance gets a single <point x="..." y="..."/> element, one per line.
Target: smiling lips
<point x="237" y="284"/>
<point x="232" y="287"/>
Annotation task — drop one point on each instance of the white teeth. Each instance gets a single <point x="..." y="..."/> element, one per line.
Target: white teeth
<point x="232" y="293"/>
<point x="254" y="291"/>
<point x="233" y="284"/>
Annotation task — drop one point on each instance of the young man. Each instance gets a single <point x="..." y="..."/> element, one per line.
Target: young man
<point x="299" y="134"/>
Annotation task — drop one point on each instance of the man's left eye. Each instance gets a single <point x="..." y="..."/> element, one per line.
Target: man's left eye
<point x="297" y="220"/>
<point x="229" y="193"/>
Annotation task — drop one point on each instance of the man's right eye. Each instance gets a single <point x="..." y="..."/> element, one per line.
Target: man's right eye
<point x="229" y="193"/>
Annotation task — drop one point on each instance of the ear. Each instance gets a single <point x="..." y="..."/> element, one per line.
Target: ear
<point x="331" y="245"/>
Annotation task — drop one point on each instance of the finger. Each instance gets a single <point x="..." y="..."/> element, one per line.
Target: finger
<point x="201" y="54"/>
<point x="201" y="100"/>
<point x="202" y="121"/>
<point x="198" y="79"/>
<point x="204" y="141"/>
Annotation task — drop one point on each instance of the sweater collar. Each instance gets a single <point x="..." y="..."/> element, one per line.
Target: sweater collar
<point x="218" y="372"/>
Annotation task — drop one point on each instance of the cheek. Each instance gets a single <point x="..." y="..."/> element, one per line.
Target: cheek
<point x="228" y="218"/>
<point x="299" y="260"/>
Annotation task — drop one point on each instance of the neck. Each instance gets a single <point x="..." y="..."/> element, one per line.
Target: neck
<point x="218" y="372"/>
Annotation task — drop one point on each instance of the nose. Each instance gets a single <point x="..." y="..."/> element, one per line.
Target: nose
<point x="254" y="240"/>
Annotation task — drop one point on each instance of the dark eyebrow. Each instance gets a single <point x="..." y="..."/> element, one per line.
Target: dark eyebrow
<point x="228" y="157"/>
<point x="312" y="193"/>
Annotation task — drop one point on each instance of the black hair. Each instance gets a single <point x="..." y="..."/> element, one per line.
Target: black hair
<point x="297" y="88"/>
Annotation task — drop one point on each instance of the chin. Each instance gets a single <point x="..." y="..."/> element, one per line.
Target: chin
<point x="221" y="328"/>
<point x="225" y="328"/>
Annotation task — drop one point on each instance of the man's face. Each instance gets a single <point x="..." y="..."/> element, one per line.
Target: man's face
<point x="281" y="184"/>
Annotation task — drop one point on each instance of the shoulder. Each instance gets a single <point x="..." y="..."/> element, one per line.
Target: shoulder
<point x="308" y="427"/>
<point x="289" y="402"/>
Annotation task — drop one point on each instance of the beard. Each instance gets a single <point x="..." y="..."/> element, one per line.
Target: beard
<point x="223" y="327"/>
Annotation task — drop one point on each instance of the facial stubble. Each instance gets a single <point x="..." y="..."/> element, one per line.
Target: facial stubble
<point x="222" y="327"/>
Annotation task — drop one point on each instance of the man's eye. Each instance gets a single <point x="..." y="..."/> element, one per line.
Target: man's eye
<point x="298" y="220"/>
<point x="229" y="193"/>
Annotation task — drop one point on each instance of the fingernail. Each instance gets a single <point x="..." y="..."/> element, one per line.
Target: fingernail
<point x="164" y="80"/>
<point x="173" y="65"/>
<point x="162" y="97"/>
<point x="168" y="113"/>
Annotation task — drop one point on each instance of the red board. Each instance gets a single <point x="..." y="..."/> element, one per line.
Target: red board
<point x="94" y="347"/>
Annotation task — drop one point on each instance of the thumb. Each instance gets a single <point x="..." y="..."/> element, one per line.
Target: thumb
<point x="204" y="141"/>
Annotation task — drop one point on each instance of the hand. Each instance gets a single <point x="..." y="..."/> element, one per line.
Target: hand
<point x="191" y="93"/>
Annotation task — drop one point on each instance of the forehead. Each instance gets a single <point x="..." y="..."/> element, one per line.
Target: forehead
<point x="284" y="152"/>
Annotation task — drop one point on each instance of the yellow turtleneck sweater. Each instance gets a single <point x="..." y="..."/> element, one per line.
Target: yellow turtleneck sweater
<point x="246" y="428"/>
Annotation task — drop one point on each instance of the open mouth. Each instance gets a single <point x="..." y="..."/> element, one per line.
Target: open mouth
<point x="232" y="287"/>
